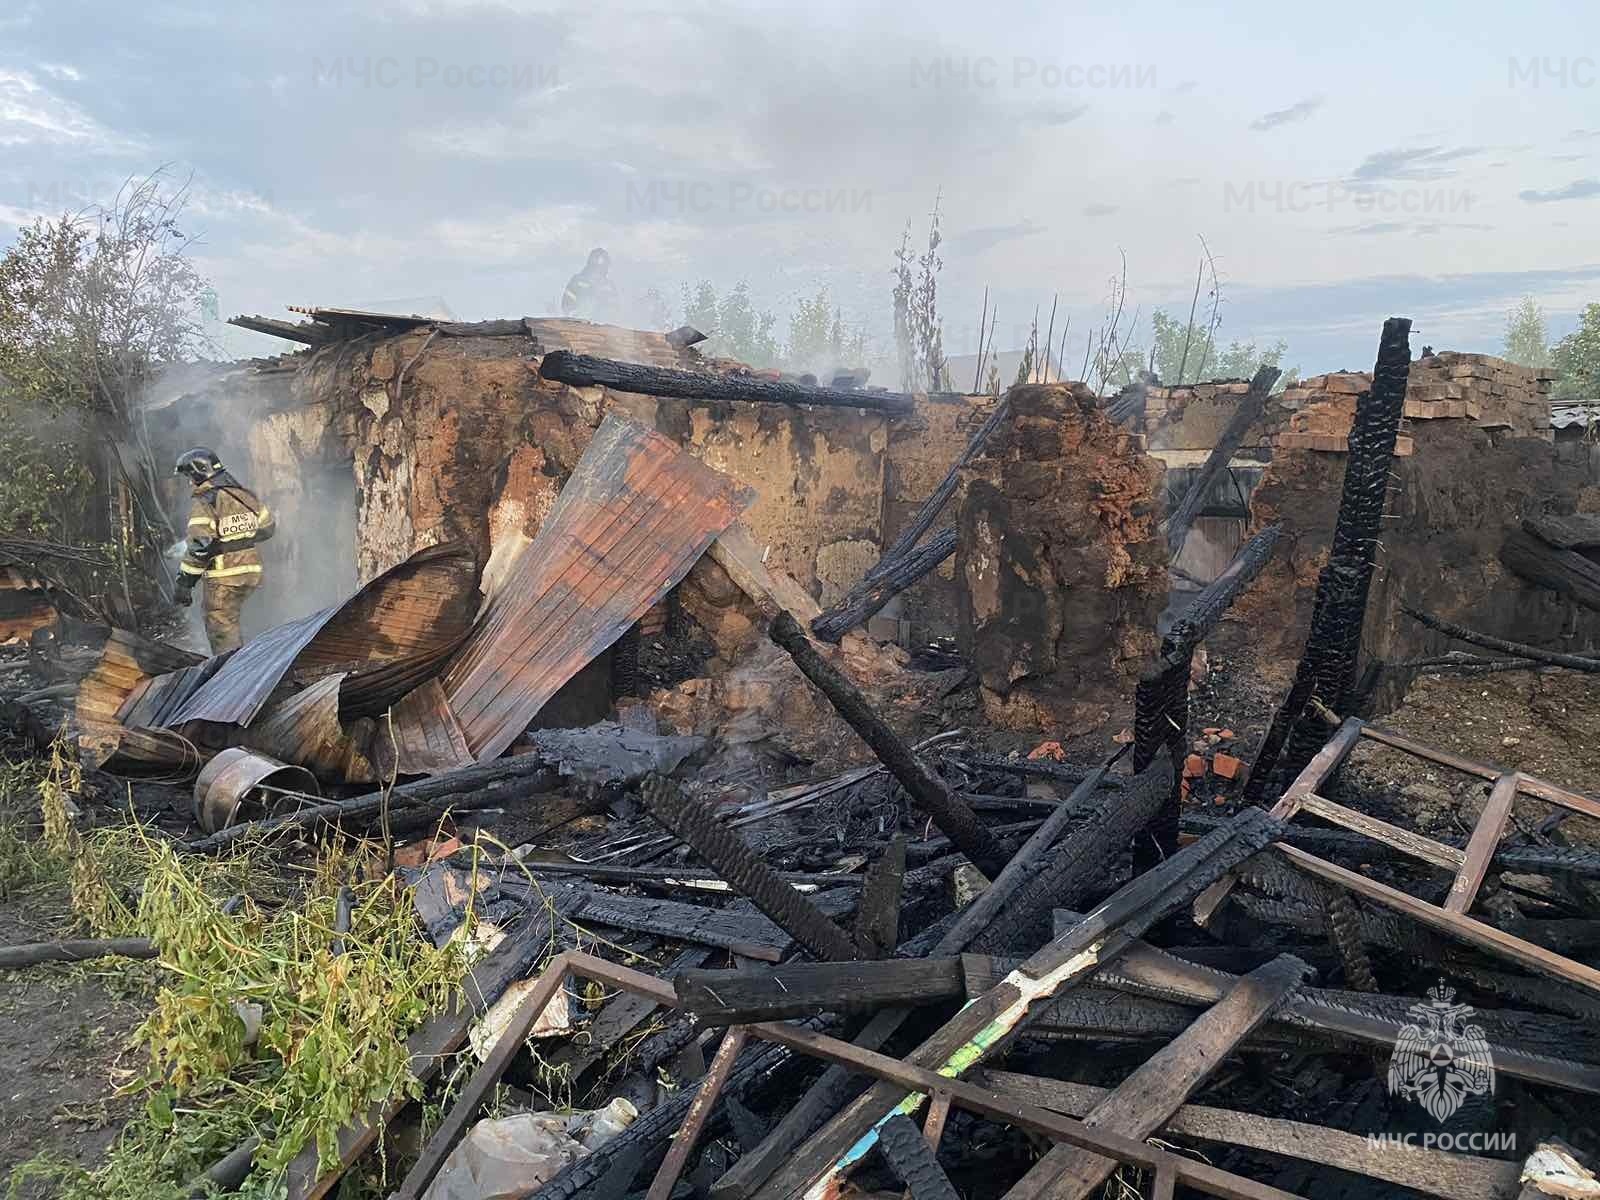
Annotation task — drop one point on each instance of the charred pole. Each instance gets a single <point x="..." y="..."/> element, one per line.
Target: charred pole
<point x="1161" y="697"/>
<point x="586" y="370"/>
<point x="1233" y="434"/>
<point x="928" y="791"/>
<point x="1327" y="668"/>
<point x="873" y="592"/>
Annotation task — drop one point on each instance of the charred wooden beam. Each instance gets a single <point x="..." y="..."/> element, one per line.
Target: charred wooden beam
<point x="1434" y="1172"/>
<point x="1161" y="697"/>
<point x="1000" y="1014"/>
<point x="307" y="333"/>
<point x="914" y="1162"/>
<point x="873" y="592"/>
<point x="928" y="791"/>
<point x="1147" y="1098"/>
<point x="694" y="1121"/>
<point x="1565" y="571"/>
<point x="1232" y="437"/>
<point x="1580" y="531"/>
<point x="877" y="927"/>
<point x="1462" y="634"/>
<point x="1015" y="909"/>
<point x="697" y="824"/>
<point x="586" y="370"/>
<point x="928" y="512"/>
<point x="1327" y="668"/>
<point x="807" y="989"/>
<point x="1536" y="1047"/>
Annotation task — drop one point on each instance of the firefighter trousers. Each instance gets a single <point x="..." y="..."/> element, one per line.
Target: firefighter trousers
<point x="222" y="605"/>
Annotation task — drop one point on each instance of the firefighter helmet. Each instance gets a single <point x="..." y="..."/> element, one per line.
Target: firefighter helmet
<point x="199" y="464"/>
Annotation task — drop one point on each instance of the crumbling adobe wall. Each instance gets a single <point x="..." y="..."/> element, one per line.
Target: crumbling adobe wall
<point x="818" y="474"/>
<point x="922" y="448"/>
<point x="1451" y="503"/>
<point x="1062" y="568"/>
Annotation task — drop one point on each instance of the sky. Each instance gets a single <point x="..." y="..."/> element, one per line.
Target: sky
<point x="1342" y="163"/>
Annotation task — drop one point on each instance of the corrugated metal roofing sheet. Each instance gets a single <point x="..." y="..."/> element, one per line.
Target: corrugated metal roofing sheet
<point x="635" y="516"/>
<point x="1565" y="416"/>
<point x="413" y="608"/>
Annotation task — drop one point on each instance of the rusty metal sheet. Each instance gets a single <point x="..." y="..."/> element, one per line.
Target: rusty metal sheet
<point x="410" y="609"/>
<point x="424" y="734"/>
<point x="304" y="729"/>
<point x="635" y="516"/>
<point x="132" y="678"/>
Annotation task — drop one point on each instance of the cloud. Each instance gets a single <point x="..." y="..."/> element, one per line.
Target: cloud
<point x="1099" y="210"/>
<point x="1057" y="116"/>
<point x="976" y="241"/>
<point x="1578" y="189"/>
<point x="1300" y="111"/>
<point x="1566" y="157"/>
<point x="1371" y="229"/>
<point x="1165" y="117"/>
<point x="30" y="114"/>
<point x="1420" y="163"/>
<point x="1188" y="85"/>
<point x="1582" y="135"/>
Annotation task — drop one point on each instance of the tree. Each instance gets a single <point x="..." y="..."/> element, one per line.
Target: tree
<point x="918" y="331"/>
<point x="1207" y="360"/>
<point x="818" y="340"/>
<point x="1527" y="342"/>
<point x="735" y="327"/>
<point x="1576" y="358"/>
<point x="91" y="305"/>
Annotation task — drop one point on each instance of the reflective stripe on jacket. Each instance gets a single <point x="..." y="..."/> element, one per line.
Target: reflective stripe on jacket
<point x="226" y="522"/>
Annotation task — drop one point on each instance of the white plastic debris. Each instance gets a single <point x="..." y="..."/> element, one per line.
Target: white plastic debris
<point x="510" y="1158"/>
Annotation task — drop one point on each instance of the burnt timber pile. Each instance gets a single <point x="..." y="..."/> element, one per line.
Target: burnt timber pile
<point x="806" y="910"/>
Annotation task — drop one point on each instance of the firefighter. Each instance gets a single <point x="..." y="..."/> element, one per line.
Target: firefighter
<point x="226" y="523"/>
<point x="590" y="293"/>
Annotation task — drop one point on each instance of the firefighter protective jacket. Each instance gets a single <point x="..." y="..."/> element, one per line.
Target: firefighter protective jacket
<point x="226" y="522"/>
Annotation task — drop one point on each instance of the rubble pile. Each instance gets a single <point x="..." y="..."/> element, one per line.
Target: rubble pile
<point x="784" y="927"/>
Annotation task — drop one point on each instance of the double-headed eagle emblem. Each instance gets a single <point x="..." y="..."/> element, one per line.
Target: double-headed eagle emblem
<point x="1440" y="1061"/>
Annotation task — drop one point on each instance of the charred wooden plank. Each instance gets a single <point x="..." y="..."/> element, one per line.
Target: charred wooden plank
<point x="1047" y="877"/>
<point x="995" y="1018"/>
<point x="877" y="928"/>
<point x="1327" y="668"/>
<point x="806" y="989"/>
<point x="694" y="1121"/>
<point x="1147" y="1098"/>
<point x="1462" y="634"/>
<point x="587" y="370"/>
<point x="1564" y="571"/>
<point x="1579" y="531"/>
<point x="697" y="824"/>
<point x="1434" y="1172"/>
<point x="914" y="1162"/>
<point x="909" y="1078"/>
<point x="751" y="935"/>
<point x="1232" y="437"/>
<point x="871" y="594"/>
<point x="1452" y="925"/>
<point x="927" y="790"/>
<point x="1480" y="849"/>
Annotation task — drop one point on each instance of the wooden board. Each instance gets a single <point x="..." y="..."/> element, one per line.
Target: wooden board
<point x="1147" y="1098"/>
